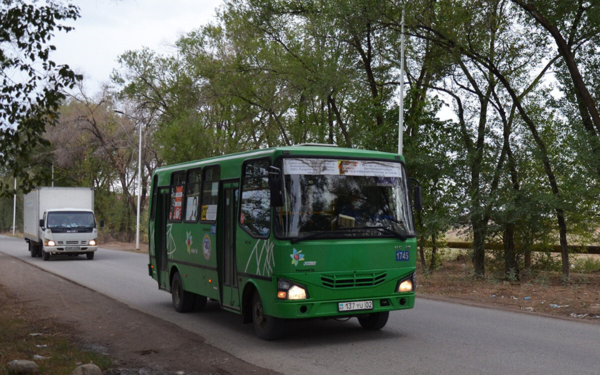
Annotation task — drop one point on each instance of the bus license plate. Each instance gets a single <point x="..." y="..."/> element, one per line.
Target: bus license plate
<point x="355" y="305"/>
<point x="72" y="248"/>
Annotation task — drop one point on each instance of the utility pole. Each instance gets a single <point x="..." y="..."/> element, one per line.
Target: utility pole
<point x="139" y="183"/>
<point x="401" y="104"/>
<point x="15" y="207"/>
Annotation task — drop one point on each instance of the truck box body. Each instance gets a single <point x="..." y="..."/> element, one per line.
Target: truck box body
<point x="59" y="202"/>
<point x="43" y="199"/>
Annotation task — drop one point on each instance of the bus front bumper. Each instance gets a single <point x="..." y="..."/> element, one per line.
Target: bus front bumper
<point x="330" y="309"/>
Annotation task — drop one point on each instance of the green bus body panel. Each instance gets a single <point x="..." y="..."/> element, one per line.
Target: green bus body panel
<point x="361" y="269"/>
<point x="332" y="270"/>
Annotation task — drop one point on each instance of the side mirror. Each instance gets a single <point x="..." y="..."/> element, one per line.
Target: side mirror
<point x="102" y="223"/>
<point x="418" y="198"/>
<point x="276" y="186"/>
<point x="417" y="195"/>
<point x="41" y="223"/>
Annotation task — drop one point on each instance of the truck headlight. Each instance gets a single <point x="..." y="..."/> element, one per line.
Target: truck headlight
<point x="288" y="290"/>
<point x="92" y="242"/>
<point x="50" y="243"/>
<point x="407" y="284"/>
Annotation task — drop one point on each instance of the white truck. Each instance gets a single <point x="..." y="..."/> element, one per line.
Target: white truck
<point x="60" y="220"/>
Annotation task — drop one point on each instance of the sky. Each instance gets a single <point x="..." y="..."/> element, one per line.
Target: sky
<point x="108" y="28"/>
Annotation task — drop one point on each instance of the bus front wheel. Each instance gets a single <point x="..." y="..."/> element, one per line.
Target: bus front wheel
<point x="266" y="327"/>
<point x="375" y="321"/>
<point x="182" y="301"/>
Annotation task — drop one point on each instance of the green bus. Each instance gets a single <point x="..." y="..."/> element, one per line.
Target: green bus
<point x="306" y="231"/>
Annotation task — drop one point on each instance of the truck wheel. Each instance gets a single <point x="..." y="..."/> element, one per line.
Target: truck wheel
<point x="266" y="327"/>
<point x="45" y="255"/>
<point x="90" y="255"/>
<point x="38" y="251"/>
<point x="374" y="321"/>
<point x="182" y="301"/>
<point x="33" y="250"/>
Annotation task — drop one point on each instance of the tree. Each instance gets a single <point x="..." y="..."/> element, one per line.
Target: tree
<point x="31" y="85"/>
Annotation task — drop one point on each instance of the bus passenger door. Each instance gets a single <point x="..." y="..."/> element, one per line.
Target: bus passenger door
<point x="229" y="284"/>
<point x="162" y="212"/>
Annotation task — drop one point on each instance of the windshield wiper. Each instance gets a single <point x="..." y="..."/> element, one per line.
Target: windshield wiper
<point x="311" y="236"/>
<point x="385" y="229"/>
<point x="337" y="231"/>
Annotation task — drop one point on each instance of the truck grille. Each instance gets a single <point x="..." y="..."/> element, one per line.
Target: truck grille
<point x="72" y="242"/>
<point x="353" y="280"/>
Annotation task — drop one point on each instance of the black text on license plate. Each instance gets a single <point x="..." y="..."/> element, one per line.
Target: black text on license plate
<point x="355" y="305"/>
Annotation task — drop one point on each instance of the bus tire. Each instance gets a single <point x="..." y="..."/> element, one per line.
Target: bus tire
<point x="266" y="327"/>
<point x="89" y="255"/>
<point x="45" y="255"/>
<point x="182" y="301"/>
<point x="374" y="321"/>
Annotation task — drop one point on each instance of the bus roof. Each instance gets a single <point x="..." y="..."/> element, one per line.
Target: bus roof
<point x="300" y="150"/>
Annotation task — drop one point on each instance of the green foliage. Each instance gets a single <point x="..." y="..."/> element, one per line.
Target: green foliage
<point x="31" y="83"/>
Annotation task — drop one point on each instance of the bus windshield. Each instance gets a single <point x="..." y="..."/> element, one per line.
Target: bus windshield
<point x="331" y="198"/>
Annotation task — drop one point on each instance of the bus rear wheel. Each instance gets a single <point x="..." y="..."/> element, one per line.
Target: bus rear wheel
<point x="182" y="301"/>
<point x="267" y="327"/>
<point x="374" y="321"/>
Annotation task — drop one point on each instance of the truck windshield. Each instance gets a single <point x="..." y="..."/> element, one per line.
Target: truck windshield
<point x="331" y="198"/>
<point x="71" y="220"/>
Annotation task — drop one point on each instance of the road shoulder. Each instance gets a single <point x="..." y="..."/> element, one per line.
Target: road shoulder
<point x="132" y="338"/>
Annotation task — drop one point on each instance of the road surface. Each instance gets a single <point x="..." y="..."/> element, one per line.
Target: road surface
<point x="435" y="337"/>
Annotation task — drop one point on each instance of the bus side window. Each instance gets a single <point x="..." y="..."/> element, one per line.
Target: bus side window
<point x="210" y="193"/>
<point x="255" y="216"/>
<point x="192" y="196"/>
<point x="177" y="185"/>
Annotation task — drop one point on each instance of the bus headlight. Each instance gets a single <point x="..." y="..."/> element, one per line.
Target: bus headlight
<point x="92" y="242"/>
<point x="290" y="291"/>
<point x="297" y="292"/>
<point x="408" y="284"/>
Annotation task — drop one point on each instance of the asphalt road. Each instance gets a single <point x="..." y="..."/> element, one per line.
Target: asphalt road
<point x="435" y="337"/>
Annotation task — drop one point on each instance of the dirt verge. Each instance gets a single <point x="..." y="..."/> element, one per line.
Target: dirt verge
<point x="138" y="343"/>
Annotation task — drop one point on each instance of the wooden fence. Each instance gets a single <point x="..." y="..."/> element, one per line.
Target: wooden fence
<point x="554" y="249"/>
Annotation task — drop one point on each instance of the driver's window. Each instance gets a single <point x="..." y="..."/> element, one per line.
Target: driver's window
<point x="255" y="212"/>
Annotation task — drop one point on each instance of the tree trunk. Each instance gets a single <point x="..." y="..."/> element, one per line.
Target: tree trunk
<point x="432" y="264"/>
<point x="511" y="266"/>
<point x="527" y="258"/>
<point x="479" y="232"/>
<point x="564" y="249"/>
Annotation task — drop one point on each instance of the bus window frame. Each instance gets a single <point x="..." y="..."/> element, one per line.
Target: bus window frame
<point x="185" y="195"/>
<point x="239" y="214"/>
<point x="171" y="193"/>
<point x="278" y="162"/>
<point x="153" y="195"/>
<point x="204" y="169"/>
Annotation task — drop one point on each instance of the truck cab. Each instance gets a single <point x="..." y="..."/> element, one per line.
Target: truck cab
<point x="68" y="231"/>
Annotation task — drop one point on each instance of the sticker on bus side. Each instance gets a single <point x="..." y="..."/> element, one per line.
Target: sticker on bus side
<point x="402" y="256"/>
<point x="206" y="248"/>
